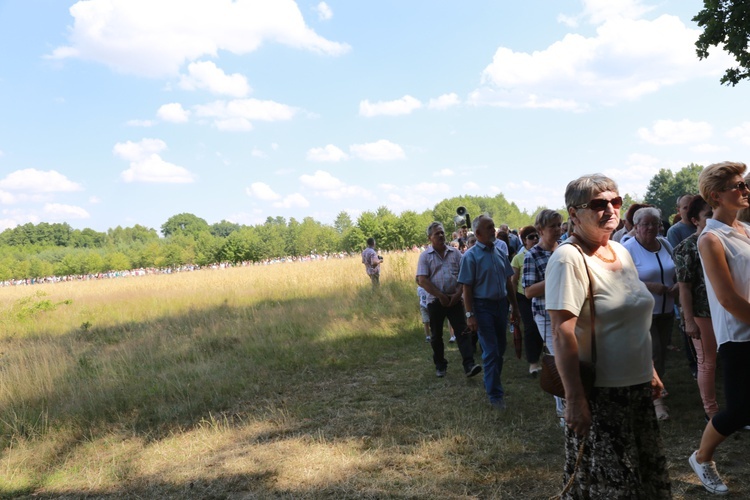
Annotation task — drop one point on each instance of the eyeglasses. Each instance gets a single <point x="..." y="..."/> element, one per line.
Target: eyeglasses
<point x="599" y="204"/>
<point x="532" y="237"/>
<point x="740" y="186"/>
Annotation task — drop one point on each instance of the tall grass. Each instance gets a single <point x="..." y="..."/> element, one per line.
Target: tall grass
<point x="292" y="380"/>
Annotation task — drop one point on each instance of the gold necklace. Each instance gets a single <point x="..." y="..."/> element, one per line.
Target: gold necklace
<point x="604" y="259"/>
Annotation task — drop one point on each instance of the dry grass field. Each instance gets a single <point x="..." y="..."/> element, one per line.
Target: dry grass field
<point x="285" y="381"/>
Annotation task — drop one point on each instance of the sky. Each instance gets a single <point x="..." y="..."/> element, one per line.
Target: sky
<point x="123" y="112"/>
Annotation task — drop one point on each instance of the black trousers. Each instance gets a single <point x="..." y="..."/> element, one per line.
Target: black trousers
<point x="457" y="318"/>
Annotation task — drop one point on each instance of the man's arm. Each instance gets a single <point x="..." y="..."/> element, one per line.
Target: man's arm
<point x="469" y="306"/>
<point x="424" y="282"/>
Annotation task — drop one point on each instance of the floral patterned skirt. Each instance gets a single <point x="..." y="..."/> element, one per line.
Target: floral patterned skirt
<point x="623" y="454"/>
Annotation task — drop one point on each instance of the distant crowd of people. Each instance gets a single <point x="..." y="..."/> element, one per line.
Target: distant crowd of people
<point x="623" y="283"/>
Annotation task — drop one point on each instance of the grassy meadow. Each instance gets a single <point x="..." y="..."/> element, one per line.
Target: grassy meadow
<point x="282" y="381"/>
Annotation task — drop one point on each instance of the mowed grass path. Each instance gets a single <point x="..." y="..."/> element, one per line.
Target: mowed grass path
<point x="285" y="381"/>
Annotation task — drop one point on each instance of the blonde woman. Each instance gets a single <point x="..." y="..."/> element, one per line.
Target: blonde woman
<point x="724" y="248"/>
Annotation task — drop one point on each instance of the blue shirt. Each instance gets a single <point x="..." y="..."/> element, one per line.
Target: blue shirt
<point x="486" y="269"/>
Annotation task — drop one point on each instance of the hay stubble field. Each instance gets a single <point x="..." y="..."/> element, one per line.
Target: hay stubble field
<point x="282" y="381"/>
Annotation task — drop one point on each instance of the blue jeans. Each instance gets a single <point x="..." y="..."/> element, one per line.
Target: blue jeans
<point x="492" y="322"/>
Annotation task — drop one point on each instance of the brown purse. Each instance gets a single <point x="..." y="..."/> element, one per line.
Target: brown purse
<point x="550" y="380"/>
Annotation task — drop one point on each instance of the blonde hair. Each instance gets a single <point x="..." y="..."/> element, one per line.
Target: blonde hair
<point x="714" y="178"/>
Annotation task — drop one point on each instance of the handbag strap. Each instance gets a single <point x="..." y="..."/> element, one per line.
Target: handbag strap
<point x="591" y="300"/>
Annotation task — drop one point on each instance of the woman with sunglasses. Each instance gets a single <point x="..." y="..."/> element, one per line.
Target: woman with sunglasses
<point x="532" y="341"/>
<point x="613" y="448"/>
<point x="652" y="255"/>
<point x="724" y="247"/>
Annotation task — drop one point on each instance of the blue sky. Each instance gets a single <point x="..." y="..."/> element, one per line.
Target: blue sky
<point x="123" y="112"/>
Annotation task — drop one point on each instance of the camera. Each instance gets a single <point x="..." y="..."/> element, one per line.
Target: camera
<point x="380" y="257"/>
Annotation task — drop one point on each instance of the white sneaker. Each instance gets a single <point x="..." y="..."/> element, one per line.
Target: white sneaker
<point x="708" y="475"/>
<point x="453" y="339"/>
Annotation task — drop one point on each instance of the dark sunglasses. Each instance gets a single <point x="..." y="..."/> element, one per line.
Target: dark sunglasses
<point x="741" y="186"/>
<point x="532" y="237"/>
<point x="599" y="204"/>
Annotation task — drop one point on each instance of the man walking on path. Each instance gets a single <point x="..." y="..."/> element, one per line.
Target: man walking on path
<point x="437" y="273"/>
<point x="486" y="278"/>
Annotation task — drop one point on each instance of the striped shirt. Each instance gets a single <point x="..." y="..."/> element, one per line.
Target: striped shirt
<point x="534" y="269"/>
<point x="441" y="271"/>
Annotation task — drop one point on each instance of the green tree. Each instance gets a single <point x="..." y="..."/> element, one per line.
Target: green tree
<point x="343" y="222"/>
<point x="184" y="223"/>
<point x="224" y="228"/>
<point x="665" y="188"/>
<point x="726" y="23"/>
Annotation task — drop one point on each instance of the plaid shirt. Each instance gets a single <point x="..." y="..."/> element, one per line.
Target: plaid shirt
<point x="534" y="268"/>
<point x="441" y="271"/>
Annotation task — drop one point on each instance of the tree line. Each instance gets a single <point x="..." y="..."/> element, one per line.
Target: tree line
<point x="44" y="249"/>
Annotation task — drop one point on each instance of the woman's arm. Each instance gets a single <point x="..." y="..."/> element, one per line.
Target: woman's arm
<point x="516" y="276"/>
<point x="535" y="290"/>
<point x="686" y="298"/>
<point x="577" y="411"/>
<point x="717" y="272"/>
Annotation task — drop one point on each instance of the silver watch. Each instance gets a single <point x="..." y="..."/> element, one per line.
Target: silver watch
<point x="469" y="314"/>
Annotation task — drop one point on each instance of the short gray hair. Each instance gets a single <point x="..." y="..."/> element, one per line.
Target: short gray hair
<point x="477" y="220"/>
<point x="584" y="188"/>
<point x="431" y="228"/>
<point x="644" y="212"/>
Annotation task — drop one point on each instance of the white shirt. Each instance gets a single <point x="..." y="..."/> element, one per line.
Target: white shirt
<point x="737" y="251"/>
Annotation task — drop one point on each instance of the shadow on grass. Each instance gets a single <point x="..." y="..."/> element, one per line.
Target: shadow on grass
<point x="345" y="374"/>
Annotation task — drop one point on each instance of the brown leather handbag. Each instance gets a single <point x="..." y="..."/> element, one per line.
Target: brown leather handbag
<point x="550" y="380"/>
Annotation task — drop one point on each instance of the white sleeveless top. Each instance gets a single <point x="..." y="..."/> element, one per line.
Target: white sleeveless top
<point x="737" y="251"/>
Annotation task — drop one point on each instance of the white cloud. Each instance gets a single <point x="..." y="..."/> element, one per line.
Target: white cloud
<point x="403" y="106"/>
<point x="238" y="114"/>
<point x="146" y="165"/>
<point x="634" y="176"/>
<point x="34" y="181"/>
<point x="706" y="148"/>
<point x="529" y="196"/>
<point x="445" y="101"/>
<point x="741" y="133"/>
<point x="134" y="151"/>
<point x="258" y="153"/>
<point x="173" y="112"/>
<point x="387" y="187"/>
<point x="382" y="150"/>
<point x="327" y="153"/>
<point x="471" y="186"/>
<point x="94" y="200"/>
<point x="140" y="123"/>
<point x="321" y="181"/>
<point x="294" y="200"/>
<point x="328" y="186"/>
<point x="599" y="11"/>
<point x="432" y="188"/>
<point x="262" y="191"/>
<point x="666" y="132"/>
<point x="626" y="59"/>
<point x="206" y="75"/>
<point x="155" y="39"/>
<point x="233" y="125"/>
<point x="58" y="211"/>
<point x="324" y="11"/>
<point x="7" y="198"/>
<point x="444" y="172"/>
<point x="2" y="153"/>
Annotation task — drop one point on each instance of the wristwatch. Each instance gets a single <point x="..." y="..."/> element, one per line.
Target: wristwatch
<point x="469" y="314"/>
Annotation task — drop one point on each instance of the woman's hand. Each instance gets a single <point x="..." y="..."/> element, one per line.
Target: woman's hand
<point x="657" y="387"/>
<point x="578" y="415"/>
<point x="691" y="328"/>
